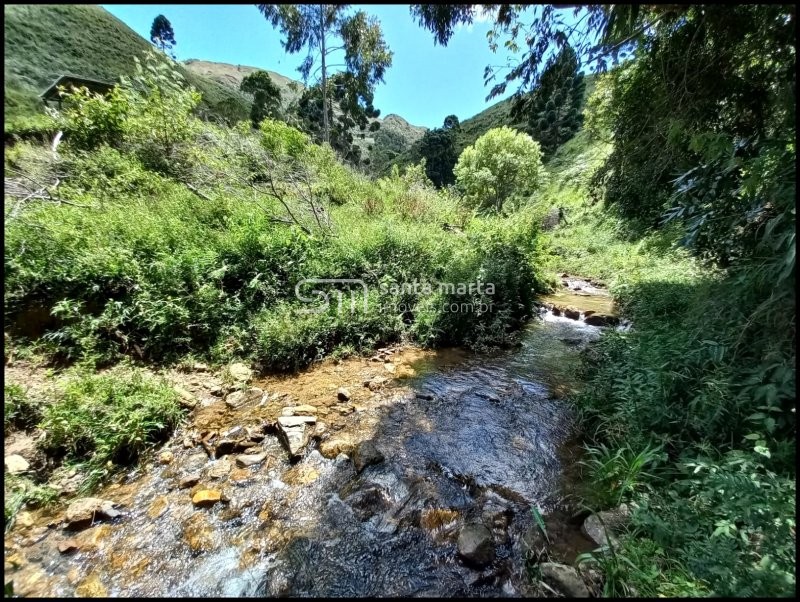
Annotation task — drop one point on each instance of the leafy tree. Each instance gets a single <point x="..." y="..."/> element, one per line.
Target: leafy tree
<point x="162" y="35"/>
<point x="553" y="109"/>
<point x="266" y="96"/>
<point x="366" y="55"/>
<point x="503" y="162"/>
<point x="439" y="149"/>
<point x="356" y="110"/>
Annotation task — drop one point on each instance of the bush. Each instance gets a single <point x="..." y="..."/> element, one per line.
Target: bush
<point x="109" y="418"/>
<point x="19" y="410"/>
<point x="501" y="163"/>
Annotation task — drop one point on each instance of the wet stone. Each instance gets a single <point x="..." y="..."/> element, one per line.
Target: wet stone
<point x="366" y="454"/>
<point x="205" y="498"/>
<point x="475" y="545"/>
<point x="189" y="481"/>
<point x="245" y="460"/>
<point x="564" y="579"/>
<point x="82" y="512"/>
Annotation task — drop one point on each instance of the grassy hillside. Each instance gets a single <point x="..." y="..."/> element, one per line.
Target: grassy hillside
<point x="44" y="42"/>
<point x="231" y="76"/>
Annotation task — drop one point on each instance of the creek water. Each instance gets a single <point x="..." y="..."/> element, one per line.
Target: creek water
<point x="465" y="438"/>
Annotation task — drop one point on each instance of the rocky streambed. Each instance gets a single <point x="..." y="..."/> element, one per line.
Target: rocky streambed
<point x="409" y="473"/>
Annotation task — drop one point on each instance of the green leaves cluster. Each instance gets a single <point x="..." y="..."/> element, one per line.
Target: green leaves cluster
<point x="501" y="163"/>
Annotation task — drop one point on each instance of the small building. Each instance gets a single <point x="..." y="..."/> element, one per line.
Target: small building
<point x="52" y="95"/>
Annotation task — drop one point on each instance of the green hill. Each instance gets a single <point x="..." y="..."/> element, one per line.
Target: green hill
<point x="43" y="42"/>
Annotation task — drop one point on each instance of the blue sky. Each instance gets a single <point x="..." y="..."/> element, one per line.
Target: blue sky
<point x="424" y="85"/>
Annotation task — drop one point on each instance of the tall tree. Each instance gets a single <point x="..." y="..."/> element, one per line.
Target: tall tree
<point x="323" y="29"/>
<point x="439" y="149"/>
<point x="162" y="35"/>
<point x="553" y="109"/>
<point x="266" y="96"/>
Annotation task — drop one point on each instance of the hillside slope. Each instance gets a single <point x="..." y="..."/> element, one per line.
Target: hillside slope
<point x="43" y="42"/>
<point x="231" y="76"/>
<point x="395" y="136"/>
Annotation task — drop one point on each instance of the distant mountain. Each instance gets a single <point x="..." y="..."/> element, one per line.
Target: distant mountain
<point x="43" y="42"/>
<point x="394" y="137"/>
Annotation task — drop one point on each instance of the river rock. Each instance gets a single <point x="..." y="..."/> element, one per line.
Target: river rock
<point x="375" y="383"/>
<point x="166" y="457"/>
<point x="187" y="400"/>
<point x="475" y="545"/>
<point x="205" y="498"/>
<point x="220" y="469"/>
<point x="572" y="313"/>
<point x="225" y="447"/>
<point x="613" y="520"/>
<point x="301" y="410"/>
<point x="366" y="454"/>
<point x="246" y="460"/>
<point x="389" y="367"/>
<point x="602" y="320"/>
<point x="290" y="421"/>
<point x="240" y="398"/>
<point x="330" y="448"/>
<point x="564" y="579"/>
<point x="293" y="432"/>
<point x="189" y="481"/>
<point x="83" y="511"/>
<point x="16" y="464"/>
<point x="67" y="546"/>
<point x="198" y="533"/>
<point x="239" y="372"/>
<point x="342" y="394"/>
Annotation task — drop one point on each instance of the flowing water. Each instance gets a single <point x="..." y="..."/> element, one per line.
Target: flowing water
<point x="465" y="438"/>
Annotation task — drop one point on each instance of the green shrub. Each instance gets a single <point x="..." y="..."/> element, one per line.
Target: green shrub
<point x="501" y="163"/>
<point x="19" y="410"/>
<point x="109" y="418"/>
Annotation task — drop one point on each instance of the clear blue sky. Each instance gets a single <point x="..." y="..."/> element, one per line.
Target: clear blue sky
<point x="424" y="85"/>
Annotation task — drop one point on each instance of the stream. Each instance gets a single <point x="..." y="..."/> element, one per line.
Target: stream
<point x="452" y="439"/>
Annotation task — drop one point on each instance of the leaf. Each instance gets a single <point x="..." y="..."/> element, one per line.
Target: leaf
<point x="537" y="516"/>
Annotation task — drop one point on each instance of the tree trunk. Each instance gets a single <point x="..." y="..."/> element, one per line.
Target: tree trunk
<point x="325" y="126"/>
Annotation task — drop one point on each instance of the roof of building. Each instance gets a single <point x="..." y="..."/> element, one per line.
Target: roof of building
<point x="95" y="85"/>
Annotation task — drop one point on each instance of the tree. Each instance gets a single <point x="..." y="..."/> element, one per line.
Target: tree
<point x="366" y="55"/>
<point x="553" y="109"/>
<point x="162" y="36"/>
<point x="266" y="96"/>
<point x="439" y="149"/>
<point x="503" y="162"/>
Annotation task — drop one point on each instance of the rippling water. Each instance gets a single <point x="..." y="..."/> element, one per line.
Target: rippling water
<point x="464" y="437"/>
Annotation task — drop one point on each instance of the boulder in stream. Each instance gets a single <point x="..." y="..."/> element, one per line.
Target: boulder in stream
<point x="475" y="545"/>
<point x="572" y="313"/>
<point x="86" y="510"/>
<point x="342" y="394"/>
<point x="602" y="320"/>
<point x="366" y="454"/>
<point x="564" y="579"/>
<point x="293" y="432"/>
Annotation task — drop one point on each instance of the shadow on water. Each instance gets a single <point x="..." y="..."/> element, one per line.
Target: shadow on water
<point x="465" y="438"/>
